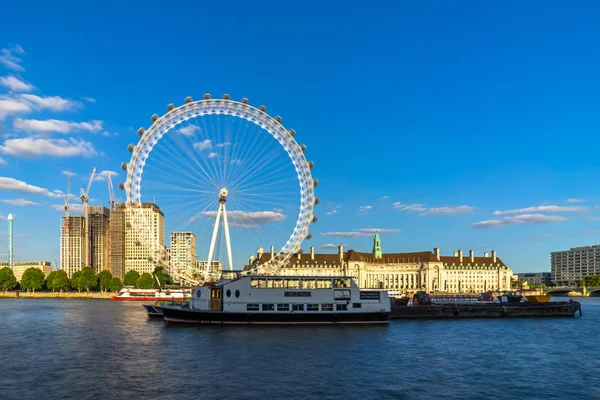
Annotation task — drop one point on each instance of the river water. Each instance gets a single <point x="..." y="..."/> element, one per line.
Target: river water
<point x="101" y="349"/>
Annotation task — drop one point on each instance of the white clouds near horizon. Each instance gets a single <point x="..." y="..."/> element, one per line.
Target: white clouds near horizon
<point x="15" y="84"/>
<point x="433" y="210"/>
<point x="58" y="126"/>
<point x="40" y="147"/>
<point x="539" y="209"/>
<point x="361" y="232"/>
<point x="519" y="219"/>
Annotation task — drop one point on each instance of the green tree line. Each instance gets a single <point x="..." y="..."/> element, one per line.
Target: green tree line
<point x="589" y="281"/>
<point x="81" y="281"/>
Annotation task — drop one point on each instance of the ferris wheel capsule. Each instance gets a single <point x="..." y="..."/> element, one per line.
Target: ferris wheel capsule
<point x="188" y="99"/>
<point x="170" y="107"/>
<point x="263" y="108"/>
<point x="317" y="201"/>
<point x="122" y="186"/>
<point x="124" y="166"/>
<point x="311" y="164"/>
<point x="292" y="132"/>
<point x="131" y="147"/>
<point x="303" y="148"/>
<point x="316" y="183"/>
<point x="225" y="96"/>
<point x="141" y="131"/>
<point x="206" y="96"/>
<point x="278" y="119"/>
<point x="154" y="117"/>
<point x="245" y="100"/>
<point x="309" y="236"/>
<point x="315" y="218"/>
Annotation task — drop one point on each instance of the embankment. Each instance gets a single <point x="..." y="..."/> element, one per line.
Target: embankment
<point x="57" y="295"/>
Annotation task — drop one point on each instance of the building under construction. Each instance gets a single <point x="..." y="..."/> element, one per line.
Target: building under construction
<point x="97" y="237"/>
<point x="73" y="248"/>
<point x="117" y="241"/>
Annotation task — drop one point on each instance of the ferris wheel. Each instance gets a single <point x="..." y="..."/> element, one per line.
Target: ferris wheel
<point x="223" y="174"/>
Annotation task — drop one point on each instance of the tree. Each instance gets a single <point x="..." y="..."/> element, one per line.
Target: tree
<point x="7" y="279"/>
<point x="162" y="276"/>
<point x="50" y="279"/>
<point x="146" y="281"/>
<point x="88" y="279"/>
<point x="131" y="278"/>
<point x="33" y="278"/>
<point x="60" y="281"/>
<point x="115" y="284"/>
<point x="104" y="278"/>
<point x="76" y="281"/>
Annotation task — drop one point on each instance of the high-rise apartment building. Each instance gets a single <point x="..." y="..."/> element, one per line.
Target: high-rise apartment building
<point x="97" y="219"/>
<point x="73" y="247"/>
<point x="570" y="266"/>
<point x="116" y="242"/>
<point x="144" y="237"/>
<point x="183" y="252"/>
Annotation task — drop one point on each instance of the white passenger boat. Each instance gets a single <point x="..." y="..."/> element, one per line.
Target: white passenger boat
<point x="282" y="300"/>
<point x="131" y="294"/>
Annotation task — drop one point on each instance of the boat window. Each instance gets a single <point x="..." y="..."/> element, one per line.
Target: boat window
<point x="237" y="293"/>
<point x="312" y="307"/>
<point x="298" y="307"/>
<point x="275" y="283"/>
<point x="309" y="284"/>
<point x="268" y="307"/>
<point x="260" y="283"/>
<point x="342" y="294"/>
<point x="324" y="283"/>
<point x="356" y="305"/>
<point x="326" y="307"/>
<point x="292" y="283"/>
<point x="252" y="307"/>
<point x="283" y="307"/>
<point x="228" y="293"/>
<point x="198" y="293"/>
<point x="341" y="283"/>
<point x="341" y="307"/>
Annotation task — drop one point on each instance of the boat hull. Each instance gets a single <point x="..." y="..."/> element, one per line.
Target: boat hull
<point x="486" y="310"/>
<point x="153" y="311"/>
<point x="187" y="316"/>
<point x="538" y="298"/>
<point x="147" y="298"/>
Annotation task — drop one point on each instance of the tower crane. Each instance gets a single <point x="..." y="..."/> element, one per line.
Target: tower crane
<point x="112" y="204"/>
<point x="85" y="194"/>
<point x="67" y="199"/>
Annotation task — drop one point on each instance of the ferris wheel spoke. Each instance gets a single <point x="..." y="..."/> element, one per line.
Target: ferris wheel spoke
<point x="254" y="170"/>
<point x="249" y="154"/>
<point x="166" y="166"/>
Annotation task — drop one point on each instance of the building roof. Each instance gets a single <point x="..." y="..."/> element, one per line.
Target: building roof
<point x="450" y="260"/>
<point x="421" y="256"/>
<point x="306" y="258"/>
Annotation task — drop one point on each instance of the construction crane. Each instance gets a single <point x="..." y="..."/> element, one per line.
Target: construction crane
<point x="67" y="199"/>
<point x="112" y="204"/>
<point x="85" y="194"/>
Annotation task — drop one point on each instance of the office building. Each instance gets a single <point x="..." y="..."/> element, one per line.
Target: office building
<point x="73" y="246"/>
<point x="182" y="253"/>
<point x="144" y="237"/>
<point x="97" y="237"/>
<point x="570" y="266"/>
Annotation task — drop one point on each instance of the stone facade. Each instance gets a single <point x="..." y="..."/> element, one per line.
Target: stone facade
<point x="401" y="273"/>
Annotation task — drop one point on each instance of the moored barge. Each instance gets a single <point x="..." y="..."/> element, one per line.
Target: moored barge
<point x="281" y="300"/>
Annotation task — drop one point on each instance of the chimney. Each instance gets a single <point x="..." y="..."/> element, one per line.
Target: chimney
<point x="494" y="256"/>
<point x="436" y="251"/>
<point x="260" y="252"/>
<point x="486" y="254"/>
<point x="472" y="255"/>
<point x="299" y="254"/>
<point x="341" y="253"/>
<point x="251" y="260"/>
<point x="272" y="252"/>
<point x="312" y="253"/>
<point x="460" y="258"/>
<point x="455" y="254"/>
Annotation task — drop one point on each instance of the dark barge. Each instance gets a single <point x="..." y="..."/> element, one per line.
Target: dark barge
<point x="486" y="310"/>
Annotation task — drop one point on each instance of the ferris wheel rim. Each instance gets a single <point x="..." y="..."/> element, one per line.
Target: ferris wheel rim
<point x="166" y="123"/>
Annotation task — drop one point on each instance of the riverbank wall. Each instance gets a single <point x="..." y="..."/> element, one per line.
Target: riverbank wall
<point x="56" y="295"/>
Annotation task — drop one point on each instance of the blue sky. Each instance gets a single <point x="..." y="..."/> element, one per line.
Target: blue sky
<point x="427" y="119"/>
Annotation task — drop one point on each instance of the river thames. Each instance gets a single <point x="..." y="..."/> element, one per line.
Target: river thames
<point x="100" y="349"/>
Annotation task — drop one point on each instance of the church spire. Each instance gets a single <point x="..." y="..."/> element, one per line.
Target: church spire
<point x="377" y="247"/>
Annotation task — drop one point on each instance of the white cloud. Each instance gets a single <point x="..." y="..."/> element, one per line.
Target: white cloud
<point x="212" y="155"/>
<point x="333" y="209"/>
<point x="15" y="84"/>
<point x="385" y="197"/>
<point x="10" y="106"/>
<point x="246" y="219"/>
<point x="53" y="103"/>
<point x="541" y="209"/>
<point x="519" y="219"/>
<point x="108" y="134"/>
<point x="361" y="232"/>
<point x="592" y="232"/>
<point x="55" y="125"/>
<point x="543" y="234"/>
<point x="189" y="130"/>
<point x="363" y="209"/>
<point x="39" y="147"/>
<point x="73" y="207"/>
<point x="9" y="60"/>
<point x="409" y="207"/>
<point x="433" y="210"/>
<point x="17" y="186"/>
<point x="224" y="144"/>
<point x="449" y="210"/>
<point x="331" y="246"/>
<point x="575" y="200"/>
<point x="89" y="99"/>
<point x="203" y="145"/>
<point x="236" y="162"/>
<point x="20" y="202"/>
<point x="101" y="176"/>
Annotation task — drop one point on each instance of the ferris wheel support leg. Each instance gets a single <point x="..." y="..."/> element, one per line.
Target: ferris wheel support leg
<point x="213" y="240"/>
<point x="227" y="240"/>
